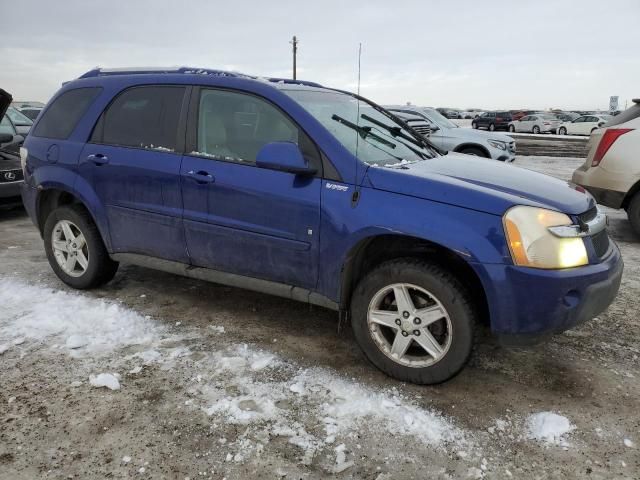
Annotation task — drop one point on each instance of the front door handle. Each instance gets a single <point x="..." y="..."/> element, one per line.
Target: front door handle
<point x="98" y="159"/>
<point x="200" y="176"/>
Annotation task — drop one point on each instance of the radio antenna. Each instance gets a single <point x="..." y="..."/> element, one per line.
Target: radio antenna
<point x="355" y="183"/>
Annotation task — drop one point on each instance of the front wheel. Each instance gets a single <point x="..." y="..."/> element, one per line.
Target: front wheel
<point x="512" y="128"/>
<point x="492" y="127"/>
<point x="474" y="125"/>
<point x="562" y="131"/>
<point x="414" y="321"/>
<point x="75" y="249"/>
<point x="536" y="129"/>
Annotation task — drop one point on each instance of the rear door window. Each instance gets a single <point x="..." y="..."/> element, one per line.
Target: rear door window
<point x="61" y="117"/>
<point x="142" y="117"/>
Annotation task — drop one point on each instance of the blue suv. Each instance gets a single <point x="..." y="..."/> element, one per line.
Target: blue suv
<point x="317" y="195"/>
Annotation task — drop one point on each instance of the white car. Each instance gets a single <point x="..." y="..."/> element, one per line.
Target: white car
<point x="611" y="172"/>
<point x="584" y="125"/>
<point x="536" y="123"/>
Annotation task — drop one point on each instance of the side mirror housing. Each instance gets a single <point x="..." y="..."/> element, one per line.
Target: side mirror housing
<point x="434" y="128"/>
<point x="284" y="157"/>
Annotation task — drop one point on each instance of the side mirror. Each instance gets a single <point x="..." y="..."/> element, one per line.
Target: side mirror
<point x="6" y="137"/>
<point x="434" y="128"/>
<point x="284" y="157"/>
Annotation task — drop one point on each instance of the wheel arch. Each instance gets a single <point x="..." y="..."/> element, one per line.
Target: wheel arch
<point x="372" y="251"/>
<point x="52" y="195"/>
<point x="477" y="146"/>
<point x="630" y="194"/>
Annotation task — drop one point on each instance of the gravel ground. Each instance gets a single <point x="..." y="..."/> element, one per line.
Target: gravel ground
<point x="216" y="382"/>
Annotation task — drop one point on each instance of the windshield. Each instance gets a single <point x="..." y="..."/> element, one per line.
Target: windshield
<point x="437" y="118"/>
<point x="18" y="118"/>
<point x="367" y="133"/>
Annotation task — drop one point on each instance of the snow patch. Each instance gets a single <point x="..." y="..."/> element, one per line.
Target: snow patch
<point x="83" y="325"/>
<point x="104" y="380"/>
<point x="549" y="427"/>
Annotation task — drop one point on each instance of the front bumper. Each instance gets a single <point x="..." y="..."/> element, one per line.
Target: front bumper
<point x="527" y="305"/>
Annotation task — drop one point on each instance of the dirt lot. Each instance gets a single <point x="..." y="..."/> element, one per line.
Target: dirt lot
<point x="217" y="382"/>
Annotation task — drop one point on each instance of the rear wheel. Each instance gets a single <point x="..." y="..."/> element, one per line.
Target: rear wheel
<point x="562" y="131"/>
<point x="75" y="249"/>
<point x="536" y="129"/>
<point x="633" y="212"/>
<point x="413" y="321"/>
<point x="492" y="127"/>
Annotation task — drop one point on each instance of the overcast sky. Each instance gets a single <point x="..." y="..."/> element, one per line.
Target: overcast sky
<point x="455" y="53"/>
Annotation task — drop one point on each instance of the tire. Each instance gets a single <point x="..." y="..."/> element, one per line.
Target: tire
<point x="492" y="127"/>
<point x="376" y="341"/>
<point x="633" y="212"/>
<point x="98" y="268"/>
<point x="512" y="128"/>
<point x="474" y="151"/>
<point x="474" y="125"/>
<point x="536" y="129"/>
<point x="562" y="131"/>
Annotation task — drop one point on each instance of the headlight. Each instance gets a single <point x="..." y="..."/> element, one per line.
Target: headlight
<point x="533" y="245"/>
<point x="498" y="144"/>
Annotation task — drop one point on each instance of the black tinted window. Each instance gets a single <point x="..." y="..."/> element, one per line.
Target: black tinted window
<point x="142" y="117"/>
<point x="62" y="116"/>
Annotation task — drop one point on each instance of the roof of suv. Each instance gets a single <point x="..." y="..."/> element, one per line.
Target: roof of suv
<point x="105" y="72"/>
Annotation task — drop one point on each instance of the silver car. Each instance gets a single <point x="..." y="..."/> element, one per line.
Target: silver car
<point x="536" y="123"/>
<point x="448" y="136"/>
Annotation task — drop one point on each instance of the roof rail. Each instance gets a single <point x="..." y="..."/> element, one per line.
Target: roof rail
<point x="291" y="81"/>
<point x="101" y="72"/>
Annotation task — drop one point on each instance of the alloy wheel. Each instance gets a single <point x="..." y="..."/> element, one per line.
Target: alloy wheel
<point x="70" y="248"/>
<point x="409" y="325"/>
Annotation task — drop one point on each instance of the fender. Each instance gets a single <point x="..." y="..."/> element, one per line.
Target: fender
<point x="63" y="179"/>
<point x="476" y="237"/>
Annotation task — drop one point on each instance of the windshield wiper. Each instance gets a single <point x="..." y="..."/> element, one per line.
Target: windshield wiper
<point x="365" y="132"/>
<point x="397" y="132"/>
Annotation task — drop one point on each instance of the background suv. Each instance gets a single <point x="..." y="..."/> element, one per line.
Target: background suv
<point x="447" y="136"/>
<point x="492" y="121"/>
<point x="316" y="195"/>
<point x="611" y="172"/>
<point x="10" y="168"/>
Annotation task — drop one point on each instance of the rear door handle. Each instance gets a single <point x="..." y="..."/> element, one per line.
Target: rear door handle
<point x="200" y="176"/>
<point x="98" y="158"/>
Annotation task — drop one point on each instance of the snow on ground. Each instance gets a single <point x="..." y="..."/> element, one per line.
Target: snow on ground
<point x="549" y="427"/>
<point x="75" y="324"/>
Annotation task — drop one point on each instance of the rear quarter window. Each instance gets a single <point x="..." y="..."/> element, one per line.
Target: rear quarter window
<point x="60" y="119"/>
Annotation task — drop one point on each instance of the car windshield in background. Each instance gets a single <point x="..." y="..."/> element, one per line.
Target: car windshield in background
<point x="439" y="119"/>
<point x="367" y="133"/>
<point x="18" y="118"/>
<point x="6" y="126"/>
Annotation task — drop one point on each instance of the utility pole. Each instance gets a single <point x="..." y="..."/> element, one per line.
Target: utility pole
<point x="294" y="42"/>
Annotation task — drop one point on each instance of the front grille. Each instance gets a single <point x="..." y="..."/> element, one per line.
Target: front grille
<point x="422" y="129"/>
<point x="601" y="243"/>
<point x="10" y="175"/>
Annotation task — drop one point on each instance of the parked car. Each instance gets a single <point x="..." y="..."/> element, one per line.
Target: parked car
<point x="449" y="113"/>
<point x="566" y="116"/>
<point x="447" y="136"/>
<point x="10" y="169"/>
<point x="492" y="121"/>
<point x="611" y="172"/>
<point x="22" y="122"/>
<point x="31" y="112"/>
<point x="536" y="123"/>
<point x="316" y="195"/>
<point x="584" y="125"/>
<point x="11" y="138"/>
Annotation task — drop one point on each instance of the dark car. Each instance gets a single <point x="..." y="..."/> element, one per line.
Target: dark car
<point x="448" y="113"/>
<point x="493" y="121"/>
<point x="10" y="168"/>
<point x="31" y="112"/>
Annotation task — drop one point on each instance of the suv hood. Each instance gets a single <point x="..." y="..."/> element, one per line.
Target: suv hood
<point x="480" y="184"/>
<point x="5" y="101"/>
